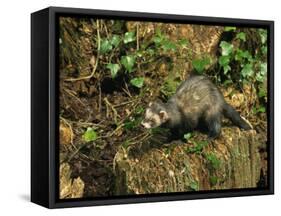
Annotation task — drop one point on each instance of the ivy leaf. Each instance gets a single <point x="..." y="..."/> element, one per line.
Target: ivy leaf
<point x="264" y="50"/>
<point x="229" y="28"/>
<point x="262" y="72"/>
<point x="263" y="68"/>
<point x="247" y="70"/>
<point x="129" y="37"/>
<point x="187" y="136"/>
<point x="183" y="43"/>
<point x="115" y="40"/>
<point x="157" y="40"/>
<point x="137" y="82"/>
<point x="240" y="54"/>
<point x="262" y="92"/>
<point x="227" y="82"/>
<point x="105" y="46"/>
<point x="224" y="60"/>
<point x="128" y="62"/>
<point x="194" y="186"/>
<point x="226" y="47"/>
<point x="226" y="68"/>
<point x="213" y="160"/>
<point x="90" y="135"/>
<point x="213" y="180"/>
<point x="114" y="68"/>
<point x="168" y="45"/>
<point x="261" y="109"/>
<point x="241" y="36"/>
<point x="200" y="64"/>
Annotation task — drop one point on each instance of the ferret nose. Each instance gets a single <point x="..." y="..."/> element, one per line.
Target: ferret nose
<point x="144" y="124"/>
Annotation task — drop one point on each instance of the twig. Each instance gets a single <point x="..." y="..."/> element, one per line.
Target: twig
<point x="144" y="134"/>
<point x="88" y="123"/>
<point x="99" y="98"/>
<point x="127" y="89"/>
<point x="125" y="103"/>
<point x="97" y="59"/>
<point x="105" y="28"/>
<point x="73" y="95"/>
<point x="113" y="109"/>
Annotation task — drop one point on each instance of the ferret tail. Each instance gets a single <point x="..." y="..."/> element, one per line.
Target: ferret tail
<point x="230" y="113"/>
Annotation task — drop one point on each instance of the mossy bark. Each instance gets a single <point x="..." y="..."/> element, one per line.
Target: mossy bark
<point x="231" y="161"/>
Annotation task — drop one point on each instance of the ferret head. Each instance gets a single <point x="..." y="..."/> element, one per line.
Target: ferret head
<point x="155" y="115"/>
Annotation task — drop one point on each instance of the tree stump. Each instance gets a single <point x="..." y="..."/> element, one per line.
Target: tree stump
<point x="228" y="162"/>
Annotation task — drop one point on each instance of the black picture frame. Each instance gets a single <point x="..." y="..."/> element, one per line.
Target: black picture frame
<point x="45" y="113"/>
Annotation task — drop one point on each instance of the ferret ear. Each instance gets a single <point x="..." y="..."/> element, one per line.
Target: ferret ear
<point x="163" y="115"/>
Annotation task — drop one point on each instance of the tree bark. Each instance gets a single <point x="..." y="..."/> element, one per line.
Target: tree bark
<point x="231" y="161"/>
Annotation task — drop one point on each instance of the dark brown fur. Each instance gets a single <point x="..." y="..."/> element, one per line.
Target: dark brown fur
<point x="197" y="103"/>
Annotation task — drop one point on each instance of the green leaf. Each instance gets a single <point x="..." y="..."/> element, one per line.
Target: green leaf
<point x="128" y="62"/>
<point x="140" y="53"/>
<point x="114" y="68"/>
<point x="224" y="60"/>
<point x="131" y="124"/>
<point x="240" y="55"/>
<point x="194" y="185"/>
<point x="226" y="68"/>
<point x="229" y="28"/>
<point x="227" y="82"/>
<point x="137" y="82"/>
<point x="183" y="42"/>
<point x="126" y="144"/>
<point x="115" y="40"/>
<point x="200" y="64"/>
<point x="213" y="160"/>
<point x="150" y="51"/>
<point x="264" y="50"/>
<point x="260" y="76"/>
<point x="263" y="68"/>
<point x="105" y="46"/>
<point x="129" y="37"/>
<point x="157" y="40"/>
<point x="187" y="136"/>
<point x="139" y="110"/>
<point x="262" y="94"/>
<point x="213" y="180"/>
<point x="199" y="145"/>
<point x="168" y="45"/>
<point x="89" y="135"/>
<point x="241" y="36"/>
<point x="226" y="47"/>
<point x="261" y="109"/>
<point x="247" y="70"/>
